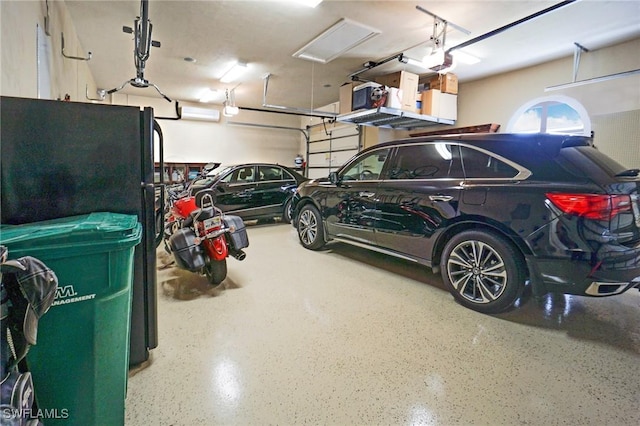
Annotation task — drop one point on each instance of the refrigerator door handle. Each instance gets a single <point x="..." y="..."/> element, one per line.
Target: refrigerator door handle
<point x="158" y="209"/>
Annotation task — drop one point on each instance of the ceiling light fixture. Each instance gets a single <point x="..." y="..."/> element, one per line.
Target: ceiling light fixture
<point x="208" y="95"/>
<point x="438" y="61"/>
<point x="236" y="70"/>
<point x="344" y="35"/>
<point x="230" y="109"/>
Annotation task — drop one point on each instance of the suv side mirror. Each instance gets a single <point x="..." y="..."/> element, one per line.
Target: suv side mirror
<point x="333" y="178"/>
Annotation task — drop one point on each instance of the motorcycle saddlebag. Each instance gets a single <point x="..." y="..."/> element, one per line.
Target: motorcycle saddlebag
<point x="239" y="238"/>
<point x="187" y="254"/>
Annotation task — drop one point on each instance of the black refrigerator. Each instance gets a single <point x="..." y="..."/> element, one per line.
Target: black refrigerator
<point x="61" y="159"/>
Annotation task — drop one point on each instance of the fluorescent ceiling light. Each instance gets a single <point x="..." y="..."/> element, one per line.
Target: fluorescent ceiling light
<point x="333" y="42"/>
<point x="234" y="72"/>
<point x="464" y="58"/>
<point x="439" y="61"/>
<point x="208" y="95"/>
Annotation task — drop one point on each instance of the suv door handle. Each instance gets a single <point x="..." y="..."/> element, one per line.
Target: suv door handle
<point x="440" y="197"/>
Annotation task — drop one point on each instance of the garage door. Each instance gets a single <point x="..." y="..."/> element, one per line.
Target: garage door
<point x="330" y="146"/>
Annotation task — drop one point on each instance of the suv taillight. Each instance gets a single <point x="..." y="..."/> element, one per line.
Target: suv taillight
<point x="591" y="206"/>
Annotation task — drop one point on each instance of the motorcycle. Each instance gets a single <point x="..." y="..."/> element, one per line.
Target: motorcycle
<point x="204" y="236"/>
<point x="174" y="215"/>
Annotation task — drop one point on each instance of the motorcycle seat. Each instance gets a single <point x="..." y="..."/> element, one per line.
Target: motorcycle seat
<point x="203" y="214"/>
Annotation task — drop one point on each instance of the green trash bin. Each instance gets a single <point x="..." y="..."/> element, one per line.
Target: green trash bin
<point x="80" y="362"/>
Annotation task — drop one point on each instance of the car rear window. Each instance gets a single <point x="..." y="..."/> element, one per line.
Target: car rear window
<point x="480" y="165"/>
<point x="267" y="173"/>
<point x="586" y="157"/>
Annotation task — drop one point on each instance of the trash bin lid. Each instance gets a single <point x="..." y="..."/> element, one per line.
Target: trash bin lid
<point x="101" y="231"/>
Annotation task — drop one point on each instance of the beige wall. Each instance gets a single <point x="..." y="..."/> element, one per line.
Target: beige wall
<point x="18" y="42"/>
<point x="19" y="62"/>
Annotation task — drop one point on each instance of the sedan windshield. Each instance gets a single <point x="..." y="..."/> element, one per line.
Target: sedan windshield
<point x="212" y="177"/>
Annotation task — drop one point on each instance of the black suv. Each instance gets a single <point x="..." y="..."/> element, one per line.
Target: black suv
<point x="490" y="211"/>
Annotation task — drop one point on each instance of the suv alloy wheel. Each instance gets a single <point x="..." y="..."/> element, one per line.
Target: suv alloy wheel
<point x="310" y="229"/>
<point x="483" y="271"/>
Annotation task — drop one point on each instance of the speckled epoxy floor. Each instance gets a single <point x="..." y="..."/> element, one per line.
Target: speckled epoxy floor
<point x="350" y="337"/>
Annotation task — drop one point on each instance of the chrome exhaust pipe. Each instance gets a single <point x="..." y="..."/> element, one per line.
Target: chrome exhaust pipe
<point x="238" y="254"/>
<point x="606" y="289"/>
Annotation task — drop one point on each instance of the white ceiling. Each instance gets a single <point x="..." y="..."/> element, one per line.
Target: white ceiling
<point x="265" y="34"/>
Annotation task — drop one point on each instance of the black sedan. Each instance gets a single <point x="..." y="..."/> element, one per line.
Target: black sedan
<point x="253" y="191"/>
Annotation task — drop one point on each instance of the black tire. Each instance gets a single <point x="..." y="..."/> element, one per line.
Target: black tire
<point x="483" y="271"/>
<point x="215" y="270"/>
<point x="287" y="212"/>
<point x="310" y="228"/>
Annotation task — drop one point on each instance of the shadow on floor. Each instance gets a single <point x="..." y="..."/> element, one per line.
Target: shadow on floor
<point x="184" y="285"/>
<point x="259" y="223"/>
<point x="612" y="321"/>
<point x="389" y="263"/>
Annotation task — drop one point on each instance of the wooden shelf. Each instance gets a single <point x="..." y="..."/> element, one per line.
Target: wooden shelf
<point x="391" y="118"/>
<point x="178" y="172"/>
<point x="479" y="128"/>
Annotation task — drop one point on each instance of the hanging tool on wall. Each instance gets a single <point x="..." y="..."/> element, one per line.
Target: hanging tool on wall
<point x="143" y="42"/>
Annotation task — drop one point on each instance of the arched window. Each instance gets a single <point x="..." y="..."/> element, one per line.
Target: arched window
<point x="553" y="114"/>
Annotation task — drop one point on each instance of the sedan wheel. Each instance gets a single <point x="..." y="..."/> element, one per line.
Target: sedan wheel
<point x="483" y="271"/>
<point x="287" y="211"/>
<point x="310" y="228"/>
